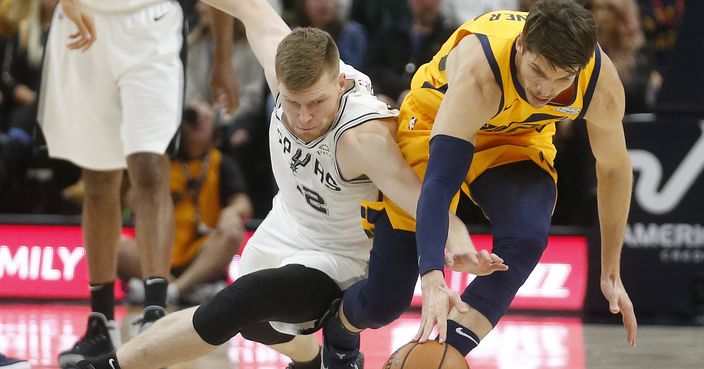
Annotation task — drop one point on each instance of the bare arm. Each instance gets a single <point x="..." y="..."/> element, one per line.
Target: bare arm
<point x="370" y="150"/>
<point x="614" y="183"/>
<point x="471" y="100"/>
<point x="223" y="79"/>
<point x="265" y="30"/>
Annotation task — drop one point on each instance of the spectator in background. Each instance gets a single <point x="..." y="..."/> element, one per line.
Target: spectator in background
<point x="399" y="49"/>
<point x="621" y="38"/>
<point x="22" y="77"/>
<point x="210" y="206"/>
<point x="242" y="135"/>
<point x="350" y="36"/>
<point x="460" y="11"/>
<point x="200" y="63"/>
<point x="375" y="15"/>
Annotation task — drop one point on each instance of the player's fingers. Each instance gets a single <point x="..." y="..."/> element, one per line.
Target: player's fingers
<point x="629" y="320"/>
<point x="460" y="305"/>
<point x="90" y="27"/>
<point x="82" y="32"/>
<point x="427" y="329"/>
<point x="496" y="259"/>
<point x="442" y="329"/>
<point x="420" y="330"/>
<point x="472" y="258"/>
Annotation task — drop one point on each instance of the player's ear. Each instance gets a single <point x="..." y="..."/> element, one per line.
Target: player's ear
<point x="519" y="43"/>
<point x="342" y="81"/>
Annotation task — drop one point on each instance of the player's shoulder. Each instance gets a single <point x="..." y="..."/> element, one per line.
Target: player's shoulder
<point x="368" y="135"/>
<point x="470" y="60"/>
<point x="609" y="95"/>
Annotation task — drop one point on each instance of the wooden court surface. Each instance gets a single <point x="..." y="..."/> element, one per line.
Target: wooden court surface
<point x="38" y="332"/>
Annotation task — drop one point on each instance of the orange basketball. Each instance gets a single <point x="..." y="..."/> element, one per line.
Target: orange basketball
<point x="428" y="355"/>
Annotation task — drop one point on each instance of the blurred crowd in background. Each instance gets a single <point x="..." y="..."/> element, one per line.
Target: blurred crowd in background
<point x="388" y="40"/>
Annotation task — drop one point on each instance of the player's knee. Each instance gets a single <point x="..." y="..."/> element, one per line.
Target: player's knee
<point x="384" y="314"/>
<point x="375" y="312"/>
<point x="533" y="242"/>
<point x="219" y="319"/>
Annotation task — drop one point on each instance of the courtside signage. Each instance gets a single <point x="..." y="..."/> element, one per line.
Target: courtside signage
<point x="45" y="262"/>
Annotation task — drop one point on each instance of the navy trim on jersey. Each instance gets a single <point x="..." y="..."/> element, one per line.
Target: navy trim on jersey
<point x="591" y="87"/>
<point x="442" y="89"/>
<point x="486" y="46"/>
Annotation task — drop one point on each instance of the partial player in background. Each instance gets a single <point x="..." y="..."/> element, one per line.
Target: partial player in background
<point x="112" y="100"/>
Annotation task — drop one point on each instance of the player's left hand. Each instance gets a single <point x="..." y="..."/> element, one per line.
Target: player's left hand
<point x="619" y="302"/>
<point x="438" y="299"/>
<point x="477" y="263"/>
<point x="224" y="85"/>
<point x="85" y="36"/>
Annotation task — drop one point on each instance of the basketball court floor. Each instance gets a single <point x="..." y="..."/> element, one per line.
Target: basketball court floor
<point x="39" y="331"/>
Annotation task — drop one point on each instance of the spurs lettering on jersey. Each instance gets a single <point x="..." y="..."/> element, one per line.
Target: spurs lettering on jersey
<point x="299" y="161"/>
<point x="310" y="183"/>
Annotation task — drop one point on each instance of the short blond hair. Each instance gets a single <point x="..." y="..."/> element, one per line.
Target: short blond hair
<point x="304" y="56"/>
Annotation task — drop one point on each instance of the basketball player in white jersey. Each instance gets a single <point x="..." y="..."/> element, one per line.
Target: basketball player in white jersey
<point x="331" y="145"/>
<point x="111" y="99"/>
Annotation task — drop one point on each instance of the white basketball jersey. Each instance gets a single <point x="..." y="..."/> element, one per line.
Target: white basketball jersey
<point x="118" y="6"/>
<point x="322" y="206"/>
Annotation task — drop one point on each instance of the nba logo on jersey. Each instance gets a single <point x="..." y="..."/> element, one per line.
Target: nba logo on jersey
<point x="412" y="123"/>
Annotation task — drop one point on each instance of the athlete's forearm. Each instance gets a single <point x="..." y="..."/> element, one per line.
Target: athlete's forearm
<point x="223" y="38"/>
<point x="614" y="197"/>
<point x="448" y="164"/>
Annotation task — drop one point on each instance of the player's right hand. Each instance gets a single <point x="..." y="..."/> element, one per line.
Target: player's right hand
<point x="438" y="299"/>
<point x="477" y="263"/>
<point x="85" y="36"/>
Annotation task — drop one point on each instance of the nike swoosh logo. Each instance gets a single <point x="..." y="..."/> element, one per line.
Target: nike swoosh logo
<point x="158" y="18"/>
<point x="111" y="362"/>
<point x="459" y="331"/>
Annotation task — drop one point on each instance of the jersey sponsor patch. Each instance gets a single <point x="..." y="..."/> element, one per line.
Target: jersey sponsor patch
<point x="568" y="110"/>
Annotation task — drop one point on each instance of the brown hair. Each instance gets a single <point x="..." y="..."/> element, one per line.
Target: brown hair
<point x="561" y="31"/>
<point x="304" y="56"/>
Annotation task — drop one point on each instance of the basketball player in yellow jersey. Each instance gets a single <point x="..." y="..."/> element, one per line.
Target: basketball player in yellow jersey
<point x="480" y="117"/>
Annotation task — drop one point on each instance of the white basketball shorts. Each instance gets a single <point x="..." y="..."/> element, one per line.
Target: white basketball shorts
<point x="276" y="243"/>
<point x="122" y="96"/>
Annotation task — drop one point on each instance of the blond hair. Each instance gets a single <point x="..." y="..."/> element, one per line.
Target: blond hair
<point x="304" y="56"/>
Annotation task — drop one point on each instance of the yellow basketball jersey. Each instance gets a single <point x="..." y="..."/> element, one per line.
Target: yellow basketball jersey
<point x="517" y="132"/>
<point x="517" y="124"/>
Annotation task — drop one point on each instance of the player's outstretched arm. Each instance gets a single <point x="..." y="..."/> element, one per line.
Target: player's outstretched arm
<point x="370" y="150"/>
<point x="265" y="30"/>
<point x="471" y="100"/>
<point x="224" y="85"/>
<point x="614" y="183"/>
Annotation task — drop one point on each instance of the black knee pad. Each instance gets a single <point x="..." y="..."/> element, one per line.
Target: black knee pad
<point x="264" y="333"/>
<point x="291" y="294"/>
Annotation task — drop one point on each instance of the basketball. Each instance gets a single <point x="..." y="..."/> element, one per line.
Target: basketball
<point x="431" y="354"/>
